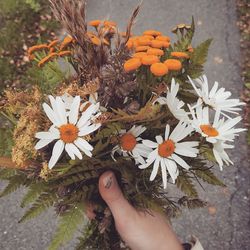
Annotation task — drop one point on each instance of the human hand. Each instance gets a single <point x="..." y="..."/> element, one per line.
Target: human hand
<point x="140" y="230"/>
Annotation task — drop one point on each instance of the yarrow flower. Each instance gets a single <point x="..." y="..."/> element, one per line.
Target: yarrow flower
<point x="166" y="152"/>
<point x="218" y="130"/>
<point x="174" y="104"/>
<point x="218" y="99"/>
<point x="129" y="145"/>
<point x="68" y="129"/>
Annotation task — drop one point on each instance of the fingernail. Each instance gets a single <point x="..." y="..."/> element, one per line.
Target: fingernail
<point x="108" y="182"/>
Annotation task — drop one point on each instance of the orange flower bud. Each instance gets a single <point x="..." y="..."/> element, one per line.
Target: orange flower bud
<point x="141" y="48"/>
<point x="152" y="33"/>
<point x="157" y="44"/>
<point x="159" y="69"/>
<point x="132" y="64"/>
<point x="94" y="23"/>
<point x="156" y="52"/>
<point x="173" y="64"/>
<point x="179" y="54"/>
<point x="149" y="59"/>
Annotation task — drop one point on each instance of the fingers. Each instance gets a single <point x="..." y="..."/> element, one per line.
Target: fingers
<point x="112" y="195"/>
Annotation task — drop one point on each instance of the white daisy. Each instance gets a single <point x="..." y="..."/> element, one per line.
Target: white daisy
<point x="220" y="153"/>
<point x="129" y="145"/>
<point x="166" y="152"/>
<point x="174" y="104"/>
<point x="216" y="98"/>
<point x="220" y="129"/>
<point x="67" y="129"/>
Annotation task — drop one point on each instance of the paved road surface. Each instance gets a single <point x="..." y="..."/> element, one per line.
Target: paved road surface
<point x="228" y="228"/>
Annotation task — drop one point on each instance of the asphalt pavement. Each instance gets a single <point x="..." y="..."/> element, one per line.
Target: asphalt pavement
<point x="225" y="224"/>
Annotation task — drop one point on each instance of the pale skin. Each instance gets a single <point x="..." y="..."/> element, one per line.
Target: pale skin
<point x="140" y="230"/>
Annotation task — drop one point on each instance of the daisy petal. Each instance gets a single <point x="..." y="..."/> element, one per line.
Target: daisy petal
<point x="74" y="110"/>
<point x="75" y="150"/>
<point x="83" y="144"/>
<point x="56" y="153"/>
<point x="155" y="169"/>
<point x="164" y="173"/>
<point x="180" y="161"/>
<point x="150" y="144"/>
<point x="42" y="143"/>
<point x="47" y="136"/>
<point x="69" y="151"/>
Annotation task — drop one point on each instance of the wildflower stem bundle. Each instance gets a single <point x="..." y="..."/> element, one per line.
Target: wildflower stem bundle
<point x="137" y="105"/>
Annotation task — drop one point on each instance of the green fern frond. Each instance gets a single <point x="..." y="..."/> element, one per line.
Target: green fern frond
<point x="6" y="142"/>
<point x="34" y="191"/>
<point x="42" y="203"/>
<point x="6" y="173"/>
<point x="208" y="176"/>
<point x="70" y="222"/>
<point x="15" y="182"/>
<point x="185" y="184"/>
<point x="191" y="203"/>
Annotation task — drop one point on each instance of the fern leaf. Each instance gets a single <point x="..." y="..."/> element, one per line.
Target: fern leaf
<point x="15" y="182"/>
<point x="70" y="222"/>
<point x="34" y="191"/>
<point x="199" y="55"/>
<point x="5" y="142"/>
<point x="191" y="203"/>
<point x="6" y="173"/>
<point x="208" y="176"/>
<point x="42" y="203"/>
<point x="185" y="184"/>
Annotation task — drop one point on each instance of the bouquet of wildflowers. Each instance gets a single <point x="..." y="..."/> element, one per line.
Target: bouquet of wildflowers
<point x="140" y="106"/>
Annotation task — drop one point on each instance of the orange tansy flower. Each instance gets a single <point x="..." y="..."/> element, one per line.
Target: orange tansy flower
<point x="173" y="64"/>
<point x="53" y="43"/>
<point x="37" y="47"/>
<point x="64" y="53"/>
<point x="156" y="52"/>
<point x="132" y="64"/>
<point x="163" y="38"/>
<point x="143" y="41"/>
<point x="139" y="55"/>
<point x="95" y="40"/>
<point x="94" y="23"/>
<point x="66" y="41"/>
<point x="152" y="33"/>
<point x="46" y="59"/>
<point x="149" y="59"/>
<point x="148" y="37"/>
<point x="166" y="44"/>
<point x="179" y="54"/>
<point x="141" y="48"/>
<point x="109" y="23"/>
<point x="129" y="44"/>
<point x="159" y="69"/>
<point x="157" y="44"/>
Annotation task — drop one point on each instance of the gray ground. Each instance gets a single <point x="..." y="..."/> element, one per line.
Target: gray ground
<point x="225" y="225"/>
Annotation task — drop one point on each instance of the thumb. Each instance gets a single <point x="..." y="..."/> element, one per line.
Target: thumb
<point x="113" y="196"/>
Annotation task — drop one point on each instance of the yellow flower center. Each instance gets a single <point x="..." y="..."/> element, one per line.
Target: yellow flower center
<point x="209" y="130"/>
<point x="68" y="133"/>
<point x="128" y="142"/>
<point x="166" y="148"/>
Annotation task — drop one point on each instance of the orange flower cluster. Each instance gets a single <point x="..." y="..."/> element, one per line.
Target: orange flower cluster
<point x="104" y="31"/>
<point x="54" y="48"/>
<point x="149" y="48"/>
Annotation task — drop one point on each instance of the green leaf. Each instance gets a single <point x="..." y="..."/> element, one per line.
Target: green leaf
<point x="34" y="191"/>
<point x="208" y="176"/>
<point x="5" y="142"/>
<point x="42" y="203"/>
<point x="15" y="182"/>
<point x="185" y="184"/>
<point x="6" y="173"/>
<point x="191" y="203"/>
<point x="70" y="222"/>
<point x="199" y="56"/>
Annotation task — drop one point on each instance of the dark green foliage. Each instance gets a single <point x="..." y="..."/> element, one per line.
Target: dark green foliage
<point x="14" y="183"/>
<point x="185" y="184"/>
<point x="20" y="25"/>
<point x="70" y="222"/>
<point x="208" y="176"/>
<point x="191" y="203"/>
<point x="5" y="142"/>
<point x="41" y="204"/>
<point x="198" y="58"/>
